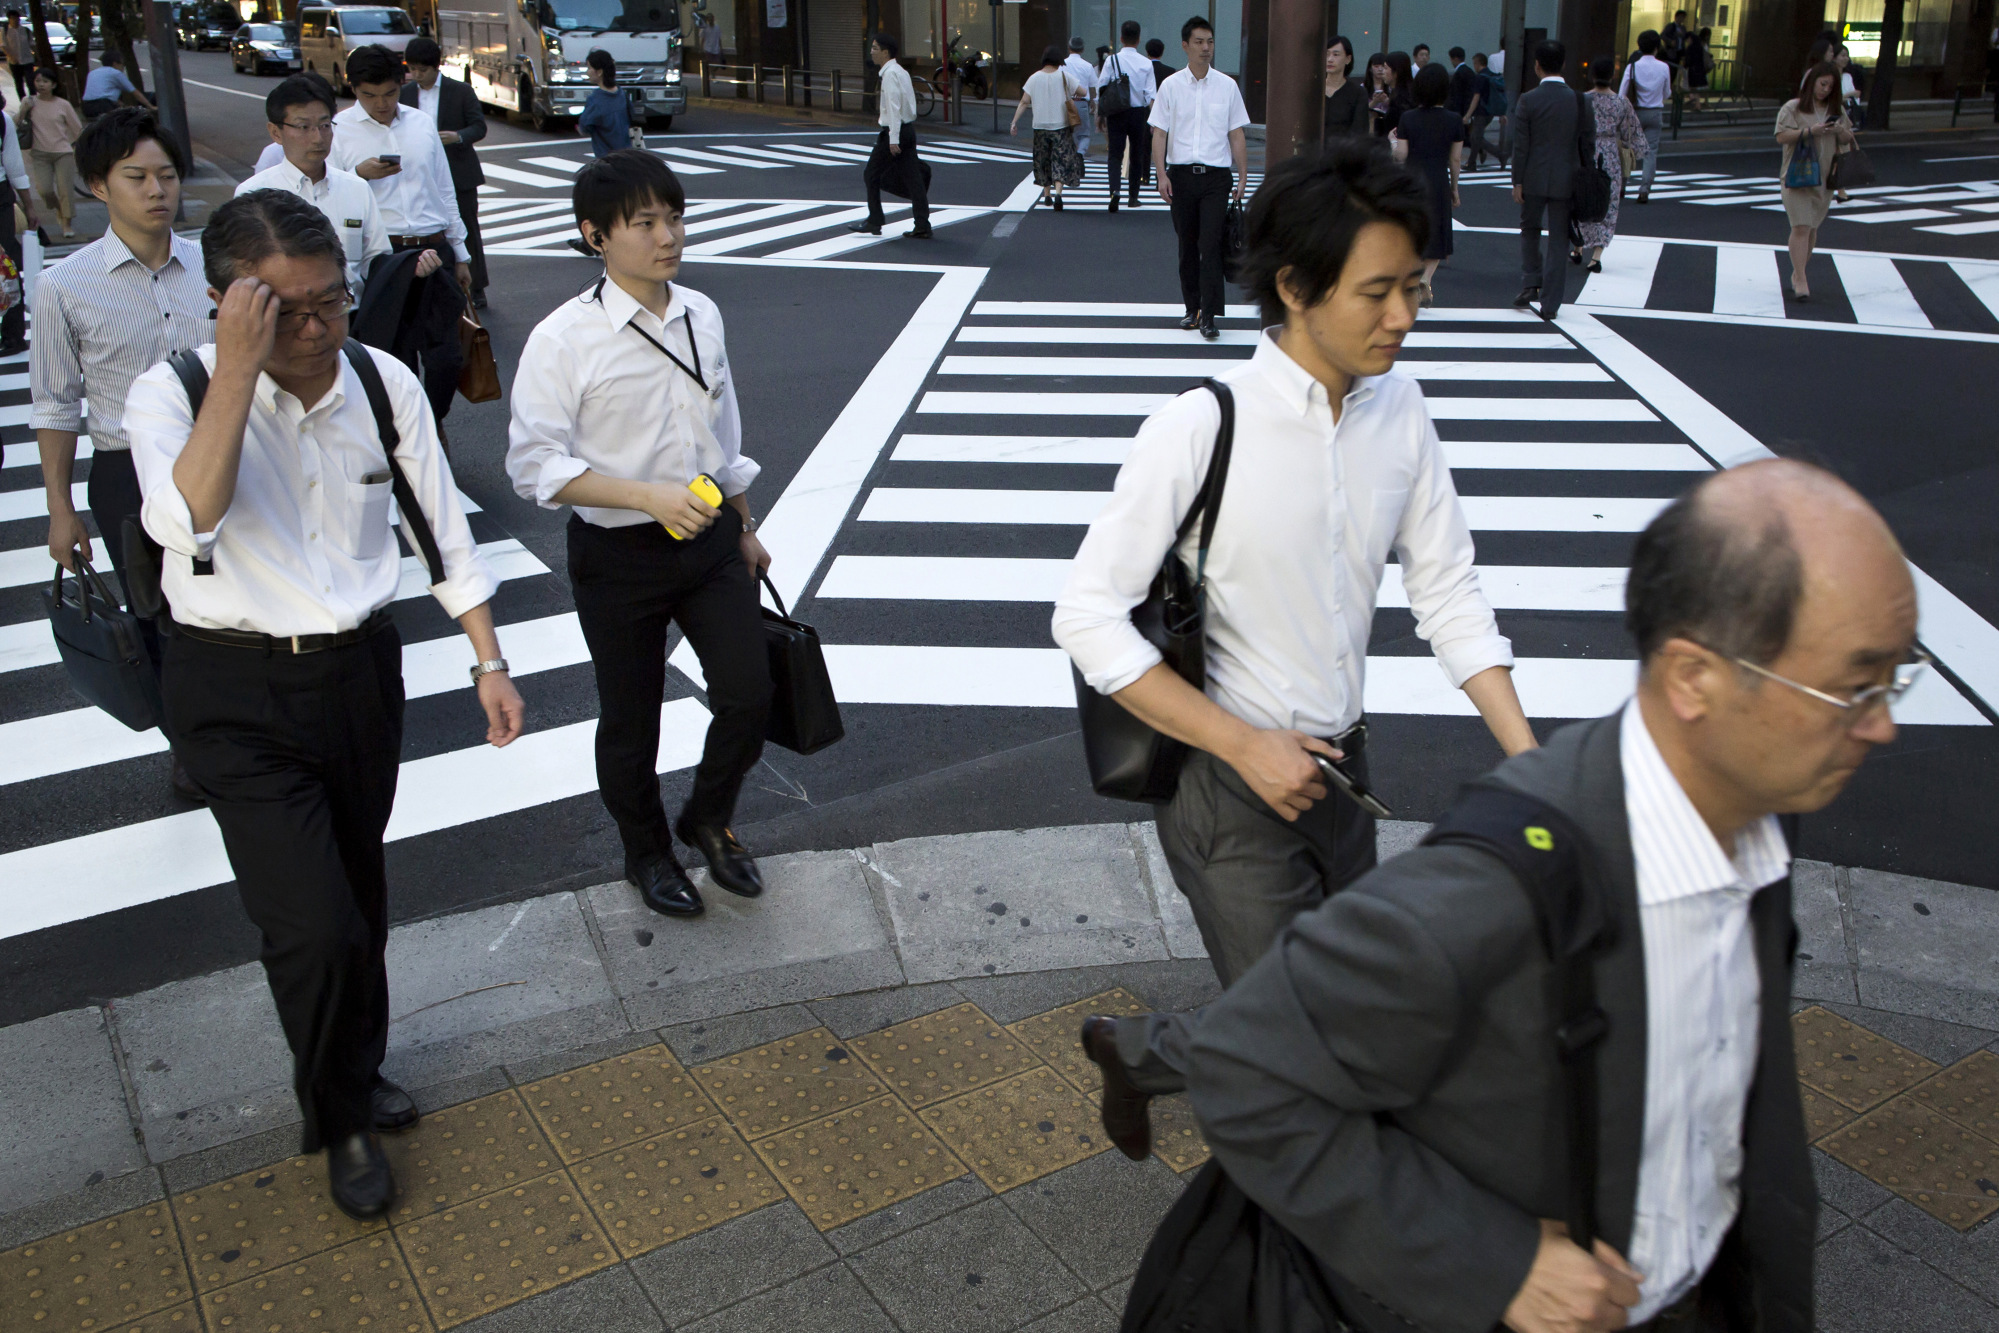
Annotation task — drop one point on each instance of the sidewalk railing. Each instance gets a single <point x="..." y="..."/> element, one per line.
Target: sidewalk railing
<point x="837" y="90"/>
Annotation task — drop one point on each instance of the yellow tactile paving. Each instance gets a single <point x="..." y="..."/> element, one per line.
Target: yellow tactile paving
<point x="1967" y="1092"/>
<point x="99" y="1277"/>
<point x="650" y="1194"/>
<point x="1941" y="1167"/>
<point x="850" y="1164"/>
<point x="278" y="1214"/>
<point x="362" y="1285"/>
<point x="492" y="1252"/>
<point x="941" y="1055"/>
<point x="1823" y="1115"/>
<point x="614" y="1102"/>
<point x="1056" y="1036"/>
<point x="1176" y="1134"/>
<point x="179" y="1319"/>
<point x="1019" y="1130"/>
<point x="788" y="1082"/>
<point x="465" y="1151"/>
<point x="1851" y="1065"/>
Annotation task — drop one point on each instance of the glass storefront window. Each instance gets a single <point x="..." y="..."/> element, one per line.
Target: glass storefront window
<point x="1925" y="30"/>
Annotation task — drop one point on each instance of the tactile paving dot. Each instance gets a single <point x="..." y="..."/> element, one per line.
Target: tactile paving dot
<point x="658" y="1191"/>
<point x="943" y="1054"/>
<point x="1850" y="1064"/>
<point x="458" y="1154"/>
<point x="364" y="1285"/>
<point x="180" y="1319"/>
<point x="1176" y="1134"/>
<point x="1057" y="1036"/>
<point x="1823" y="1115"/>
<point x="1942" y="1168"/>
<point x="277" y="1214"/>
<point x="1967" y="1092"/>
<point x="97" y="1277"/>
<point x="503" y="1248"/>
<point x="614" y="1102"/>
<point x="788" y="1082"/>
<point x="851" y="1164"/>
<point x="1019" y="1130"/>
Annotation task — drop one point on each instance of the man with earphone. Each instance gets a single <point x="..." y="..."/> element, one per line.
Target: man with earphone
<point x="624" y="408"/>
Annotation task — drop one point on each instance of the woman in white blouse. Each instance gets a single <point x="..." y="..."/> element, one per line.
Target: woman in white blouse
<point x="1048" y="93"/>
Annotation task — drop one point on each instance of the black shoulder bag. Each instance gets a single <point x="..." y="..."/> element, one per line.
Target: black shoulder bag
<point x="1589" y="197"/>
<point x="1127" y="758"/>
<point x="1114" y="95"/>
<point x="804" y="715"/>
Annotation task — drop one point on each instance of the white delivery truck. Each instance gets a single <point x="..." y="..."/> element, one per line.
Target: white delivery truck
<point x="527" y="55"/>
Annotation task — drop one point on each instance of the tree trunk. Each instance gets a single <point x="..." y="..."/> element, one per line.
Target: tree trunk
<point x="1881" y="81"/>
<point x="45" y="57"/>
<point x="80" y="58"/>
<point x="119" y="24"/>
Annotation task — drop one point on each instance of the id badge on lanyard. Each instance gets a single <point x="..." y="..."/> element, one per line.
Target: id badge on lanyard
<point x="694" y="371"/>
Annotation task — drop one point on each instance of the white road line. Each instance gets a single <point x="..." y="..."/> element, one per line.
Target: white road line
<point x="1100" y="309"/>
<point x="1055" y="367"/>
<point x="1902" y="215"/>
<point x="1011" y="449"/>
<point x="1127" y="335"/>
<point x="764" y="236"/>
<point x="27" y="644"/>
<point x="1485" y="513"/>
<point x="1877" y="293"/>
<point x="540" y="224"/>
<point x="772" y="155"/>
<point x="34" y="503"/>
<point x="572" y="165"/>
<point x="162" y="858"/>
<point x="1559" y="513"/>
<point x="847" y="242"/>
<point x="1966" y="228"/>
<point x="695" y="154"/>
<point x="1745" y="283"/>
<point x="519" y="211"/>
<point x="1983" y="279"/>
<point x="1564" y="456"/>
<point x="520" y="177"/>
<point x="1144" y="404"/>
<point x="691" y="168"/>
<point x="768" y="213"/>
<point x="1628" y="269"/>
<point x="218" y="88"/>
<point x="10" y="383"/>
<point x="30" y="453"/>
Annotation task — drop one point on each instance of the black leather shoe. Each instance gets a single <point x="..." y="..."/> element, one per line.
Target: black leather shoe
<point x="867" y="228"/>
<point x="1528" y="296"/>
<point x="1192" y="320"/>
<point x="1209" y="331"/>
<point x="920" y="233"/>
<point x="1125" y="1116"/>
<point x="479" y="300"/>
<point x="184" y="785"/>
<point x="729" y="862"/>
<point x="390" y="1109"/>
<point x="1113" y="203"/>
<point x="666" y="888"/>
<point x="359" y="1178"/>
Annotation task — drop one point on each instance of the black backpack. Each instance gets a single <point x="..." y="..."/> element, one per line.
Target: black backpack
<point x="1219" y="1264"/>
<point x="144" y="556"/>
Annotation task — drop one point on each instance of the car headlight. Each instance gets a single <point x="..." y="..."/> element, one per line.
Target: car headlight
<point x="673" y="76"/>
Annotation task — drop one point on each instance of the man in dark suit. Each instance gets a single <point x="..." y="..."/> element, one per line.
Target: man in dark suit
<point x="460" y="124"/>
<point x="1385" y="1081"/>
<point x="1551" y="135"/>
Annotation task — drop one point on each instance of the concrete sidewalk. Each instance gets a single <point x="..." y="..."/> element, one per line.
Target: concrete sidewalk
<point x="553" y="1040"/>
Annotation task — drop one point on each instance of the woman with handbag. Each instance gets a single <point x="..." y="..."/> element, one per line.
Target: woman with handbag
<point x="1813" y="129"/>
<point x="1050" y="94"/>
<point x="1620" y="147"/>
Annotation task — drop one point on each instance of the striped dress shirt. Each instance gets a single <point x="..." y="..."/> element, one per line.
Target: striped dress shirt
<point x="1702" y="1004"/>
<point x="102" y="319"/>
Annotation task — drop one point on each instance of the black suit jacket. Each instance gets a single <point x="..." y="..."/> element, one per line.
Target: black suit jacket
<point x="1550" y="137"/>
<point x="457" y="110"/>
<point x="1384" y="1080"/>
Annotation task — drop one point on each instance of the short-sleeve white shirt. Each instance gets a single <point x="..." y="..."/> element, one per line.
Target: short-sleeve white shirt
<point x="1197" y="115"/>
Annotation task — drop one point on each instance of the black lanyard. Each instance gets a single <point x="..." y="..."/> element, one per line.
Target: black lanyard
<point x="686" y="318"/>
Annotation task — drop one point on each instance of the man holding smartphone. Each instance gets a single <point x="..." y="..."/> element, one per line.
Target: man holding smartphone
<point x="1335" y="466"/>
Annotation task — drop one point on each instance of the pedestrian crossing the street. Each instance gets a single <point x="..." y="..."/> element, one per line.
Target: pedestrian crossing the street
<point x="554" y="167"/>
<point x="764" y="228"/>
<point x="1094" y="191"/>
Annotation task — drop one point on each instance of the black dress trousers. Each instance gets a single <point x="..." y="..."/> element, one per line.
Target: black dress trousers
<point x="630" y="583"/>
<point x="1200" y="212"/>
<point x="906" y="167"/>
<point x="1131" y="127"/>
<point x="298" y="755"/>
<point x="1545" y="265"/>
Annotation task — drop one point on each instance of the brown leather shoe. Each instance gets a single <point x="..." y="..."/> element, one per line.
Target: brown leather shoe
<point x="1124" y="1110"/>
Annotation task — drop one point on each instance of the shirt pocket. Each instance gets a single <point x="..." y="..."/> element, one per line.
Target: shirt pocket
<point x="1383" y="517"/>
<point x="361" y="526"/>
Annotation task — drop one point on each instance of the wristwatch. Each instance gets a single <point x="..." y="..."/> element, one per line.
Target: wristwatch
<point x="749" y="523"/>
<point x="488" y="668"/>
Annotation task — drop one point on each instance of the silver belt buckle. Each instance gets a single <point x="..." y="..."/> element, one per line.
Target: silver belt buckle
<point x="1197" y="168"/>
<point x="295" y="651"/>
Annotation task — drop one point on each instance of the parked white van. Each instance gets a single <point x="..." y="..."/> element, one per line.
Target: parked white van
<point x="326" y="33"/>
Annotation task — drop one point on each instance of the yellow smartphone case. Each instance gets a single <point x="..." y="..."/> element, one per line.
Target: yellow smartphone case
<point x="704" y="486"/>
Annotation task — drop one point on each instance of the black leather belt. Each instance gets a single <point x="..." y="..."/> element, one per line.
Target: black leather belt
<point x="436" y="240"/>
<point x="293" y="643"/>
<point x="1198" y="168"/>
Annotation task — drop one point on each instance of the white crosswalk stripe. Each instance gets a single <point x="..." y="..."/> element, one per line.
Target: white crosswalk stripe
<point x="712" y="157"/>
<point x="1871" y="205"/>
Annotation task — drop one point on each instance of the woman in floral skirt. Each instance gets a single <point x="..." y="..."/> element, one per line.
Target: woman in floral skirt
<point x="1616" y="125"/>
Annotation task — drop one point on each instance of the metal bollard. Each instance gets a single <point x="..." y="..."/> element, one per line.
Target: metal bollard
<point x="836" y="90"/>
<point x="786" y="76"/>
<point x="707" y="89"/>
<point x="957" y="99"/>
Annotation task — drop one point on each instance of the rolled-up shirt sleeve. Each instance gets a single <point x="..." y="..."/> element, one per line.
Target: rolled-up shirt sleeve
<point x="1122" y="552"/>
<point x="1434" y="545"/>
<point x="547" y="395"/>
<point x="158" y="421"/>
<point x="468" y="580"/>
<point x="55" y="370"/>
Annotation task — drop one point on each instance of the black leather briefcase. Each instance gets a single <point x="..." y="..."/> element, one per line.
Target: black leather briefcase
<point x="804" y="715"/>
<point x="103" y="650"/>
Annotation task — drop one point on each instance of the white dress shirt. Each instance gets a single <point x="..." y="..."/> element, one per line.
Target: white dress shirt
<point x="273" y="154"/>
<point x="1137" y="67"/>
<point x="591" y="395"/>
<point x="418" y="200"/>
<point x="10" y="155"/>
<point x="1702" y="1006"/>
<point x="1085" y="76"/>
<point x="426" y="98"/>
<point x="346" y="201"/>
<point x="898" y="99"/>
<point x="1653" y="76"/>
<point x="306" y="546"/>
<point x="1197" y="115"/>
<point x="1309" y="514"/>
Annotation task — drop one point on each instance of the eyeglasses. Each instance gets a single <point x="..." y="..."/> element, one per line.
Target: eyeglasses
<point x="1860" y="701"/>
<point x="325" y="311"/>
<point x="313" y="127"/>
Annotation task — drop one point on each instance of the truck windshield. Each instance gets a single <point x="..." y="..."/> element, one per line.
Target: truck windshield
<point x="362" y="22"/>
<point x="611" y="15"/>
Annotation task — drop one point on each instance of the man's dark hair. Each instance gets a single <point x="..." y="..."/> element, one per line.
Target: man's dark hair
<point x="1730" y="586"/>
<point x="1457" y="53"/>
<point x="1051" y="58"/>
<point x="1128" y="32"/>
<point x="423" y="51"/>
<point x="373" y="63"/>
<point x="252" y="227"/>
<point x="112" y="137"/>
<point x="1305" y="215"/>
<point x="617" y="185"/>
<point x="298" y="90"/>
<point x="1155" y="48"/>
<point x="1551" y="55"/>
<point x="1198" y="21"/>
<point x="1431" y="85"/>
<point x="600" y="59"/>
<point x="886" y="41"/>
<point x="1420" y="46"/>
<point x="1600" y="71"/>
<point x="1648" y="43"/>
<point x="109" y="56"/>
<point x="1478" y="59"/>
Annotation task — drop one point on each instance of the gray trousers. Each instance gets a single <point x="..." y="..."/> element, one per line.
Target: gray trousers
<point x="1651" y="119"/>
<point x="1246" y="872"/>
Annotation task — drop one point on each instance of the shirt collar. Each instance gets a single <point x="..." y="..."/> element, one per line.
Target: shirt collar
<point x="1296" y="386"/>
<point x="180" y="250"/>
<point x="1673" y="851"/>
<point x="1553" y="78"/>
<point x="267" y="392"/>
<point x="620" y="307"/>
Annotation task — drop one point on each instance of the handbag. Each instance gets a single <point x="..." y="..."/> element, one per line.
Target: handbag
<point x="479" y="377"/>
<point x="1802" y="171"/>
<point x="1589" y="195"/>
<point x="1851" y="170"/>
<point x="1114" y="95"/>
<point x="103" y="650"/>
<point x="804" y="715"/>
<point x="1128" y="760"/>
<point x="1235" y="233"/>
<point x="1070" y="116"/>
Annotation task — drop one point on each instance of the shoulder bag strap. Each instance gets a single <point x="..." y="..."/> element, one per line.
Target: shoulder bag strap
<point x="193" y="376"/>
<point x="416" y="524"/>
<point x="1207" y="506"/>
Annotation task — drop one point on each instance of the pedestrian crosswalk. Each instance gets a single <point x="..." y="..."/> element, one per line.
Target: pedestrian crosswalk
<point x="1094" y="191"/>
<point x="764" y="228"/>
<point x="553" y="168"/>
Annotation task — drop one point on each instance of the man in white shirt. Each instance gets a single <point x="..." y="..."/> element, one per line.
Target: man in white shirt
<point x="894" y="154"/>
<point x="1129" y="66"/>
<point x="267" y="480"/>
<point x="396" y="149"/>
<point x="623" y="403"/>
<point x="1653" y="78"/>
<point x="1198" y="121"/>
<point x="300" y="111"/>
<point x="1085" y="98"/>
<point x="1335" y="464"/>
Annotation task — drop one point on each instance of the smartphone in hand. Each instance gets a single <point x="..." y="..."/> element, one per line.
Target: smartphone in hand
<point x="391" y="159"/>
<point x="1354" y="788"/>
